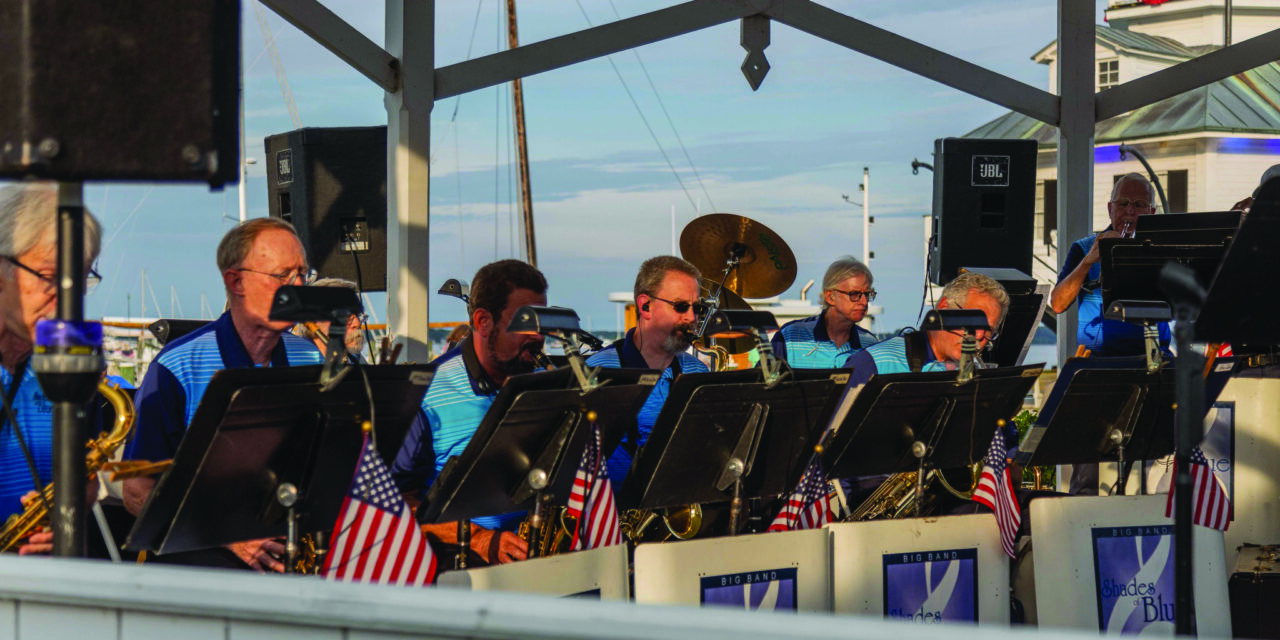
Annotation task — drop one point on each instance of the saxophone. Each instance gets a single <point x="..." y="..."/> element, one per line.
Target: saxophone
<point x="20" y="526"/>
<point x="554" y="536"/>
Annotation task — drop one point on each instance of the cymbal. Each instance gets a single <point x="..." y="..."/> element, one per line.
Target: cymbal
<point x="728" y="299"/>
<point x="766" y="266"/>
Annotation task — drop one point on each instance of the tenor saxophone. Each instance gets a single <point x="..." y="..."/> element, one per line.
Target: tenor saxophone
<point x="20" y="526"/>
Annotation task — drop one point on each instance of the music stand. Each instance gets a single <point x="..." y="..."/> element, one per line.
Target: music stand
<point x="534" y="434"/>
<point x="731" y="435"/>
<point x="1110" y="410"/>
<point x="1027" y="301"/>
<point x="1238" y="310"/>
<point x="1131" y="266"/>
<point x="909" y="421"/>
<point x="257" y="430"/>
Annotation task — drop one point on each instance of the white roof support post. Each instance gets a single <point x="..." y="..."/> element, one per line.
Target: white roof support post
<point x="1076" y="69"/>
<point x="410" y="39"/>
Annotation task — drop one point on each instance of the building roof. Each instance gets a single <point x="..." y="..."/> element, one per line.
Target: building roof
<point x="1248" y="102"/>
<point x="1125" y="40"/>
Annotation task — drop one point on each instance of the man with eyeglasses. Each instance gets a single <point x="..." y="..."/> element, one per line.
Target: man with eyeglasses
<point x="318" y="332"/>
<point x="667" y="306"/>
<point x="29" y="294"/>
<point x="826" y="340"/>
<point x="466" y="382"/>
<point x="256" y="258"/>
<point x="1078" y="281"/>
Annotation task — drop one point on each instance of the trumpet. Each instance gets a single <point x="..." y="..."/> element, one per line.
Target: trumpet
<point x="681" y="523"/>
<point x="20" y="526"/>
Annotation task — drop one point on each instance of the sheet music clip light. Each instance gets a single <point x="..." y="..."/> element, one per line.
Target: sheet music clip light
<point x="736" y="323"/>
<point x="455" y="288"/>
<point x="320" y="304"/>
<point x="560" y="323"/>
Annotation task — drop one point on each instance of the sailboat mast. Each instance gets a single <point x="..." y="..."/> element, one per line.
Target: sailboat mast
<point x="522" y="144"/>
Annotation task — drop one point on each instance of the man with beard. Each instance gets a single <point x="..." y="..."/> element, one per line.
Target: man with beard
<point x="466" y="382"/>
<point x="666" y="295"/>
<point x="318" y="332"/>
<point x="826" y="340"/>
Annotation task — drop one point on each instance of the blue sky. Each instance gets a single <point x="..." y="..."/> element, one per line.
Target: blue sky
<point x="602" y="192"/>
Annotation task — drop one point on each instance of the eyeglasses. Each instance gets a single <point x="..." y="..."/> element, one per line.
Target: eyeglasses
<point x="990" y="335"/>
<point x="682" y="306"/>
<point x="854" y="296"/>
<point x="50" y="280"/>
<point x="305" y="274"/>
<point x="1124" y="203"/>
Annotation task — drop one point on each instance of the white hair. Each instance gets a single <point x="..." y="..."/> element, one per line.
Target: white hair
<point x="29" y="220"/>
<point x="1134" y="177"/>
<point x="957" y="291"/>
<point x="842" y="269"/>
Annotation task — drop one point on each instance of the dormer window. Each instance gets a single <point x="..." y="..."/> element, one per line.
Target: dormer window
<point x="1108" y="73"/>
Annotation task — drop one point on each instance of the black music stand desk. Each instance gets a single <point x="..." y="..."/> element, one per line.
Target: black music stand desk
<point x="257" y="429"/>
<point x="538" y="421"/>
<point x="709" y="419"/>
<point x="1111" y="409"/>
<point x="877" y="430"/>
<point x="1131" y="266"/>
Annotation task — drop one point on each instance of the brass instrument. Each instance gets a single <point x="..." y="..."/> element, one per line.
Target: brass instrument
<point x="20" y="526"/>
<point x="554" y="536"/>
<point x="681" y="523"/>
<point x="896" y="497"/>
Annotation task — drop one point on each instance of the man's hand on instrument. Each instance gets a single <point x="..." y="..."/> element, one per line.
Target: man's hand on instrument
<point x="1093" y="256"/>
<point x="39" y="544"/>
<point x="499" y="547"/>
<point x="261" y="555"/>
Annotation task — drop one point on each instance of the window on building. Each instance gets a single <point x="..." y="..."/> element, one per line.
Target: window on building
<point x="1050" y="210"/>
<point x="1175" y="188"/>
<point x="1108" y="74"/>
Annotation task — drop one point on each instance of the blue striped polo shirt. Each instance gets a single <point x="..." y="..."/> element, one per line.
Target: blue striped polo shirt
<point x="620" y="462"/>
<point x="455" y="404"/>
<point x="890" y="356"/>
<point x="177" y="379"/>
<point x="805" y="343"/>
<point x="35" y="419"/>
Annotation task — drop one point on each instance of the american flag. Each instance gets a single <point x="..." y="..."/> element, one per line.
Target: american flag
<point x="810" y="506"/>
<point x="376" y="538"/>
<point x="995" y="490"/>
<point x="1210" y="506"/>
<point x="592" y="494"/>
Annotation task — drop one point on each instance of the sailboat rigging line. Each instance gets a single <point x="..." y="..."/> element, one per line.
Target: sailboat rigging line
<point x="281" y="78"/>
<point x="663" y="105"/>
<point x="457" y="173"/>
<point x="643" y="119"/>
<point x="497" y="137"/>
<point x="512" y="250"/>
<point x="118" y="228"/>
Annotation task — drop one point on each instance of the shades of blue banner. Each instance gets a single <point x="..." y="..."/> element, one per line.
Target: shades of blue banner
<point x="769" y="590"/>
<point x="929" y="587"/>
<point x="1133" y="569"/>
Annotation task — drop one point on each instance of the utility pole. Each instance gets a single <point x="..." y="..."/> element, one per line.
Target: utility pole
<point x="865" y="187"/>
<point x="522" y="143"/>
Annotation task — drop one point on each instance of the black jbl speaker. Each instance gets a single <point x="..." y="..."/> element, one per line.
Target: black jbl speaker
<point x="984" y="194"/>
<point x="121" y="90"/>
<point x="331" y="184"/>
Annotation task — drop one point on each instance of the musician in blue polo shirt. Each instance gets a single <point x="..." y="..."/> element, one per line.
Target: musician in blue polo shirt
<point x="28" y="294"/>
<point x="467" y="380"/>
<point x="826" y="340"/>
<point x="1078" y="281"/>
<point x="256" y="258"/>
<point x="666" y="294"/>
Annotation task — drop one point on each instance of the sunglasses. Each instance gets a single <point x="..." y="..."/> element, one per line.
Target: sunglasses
<point x="682" y="306"/>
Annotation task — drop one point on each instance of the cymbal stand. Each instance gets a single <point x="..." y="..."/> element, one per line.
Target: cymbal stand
<point x="713" y="300"/>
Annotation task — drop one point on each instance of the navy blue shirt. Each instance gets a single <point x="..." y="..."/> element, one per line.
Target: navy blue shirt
<point x="620" y="462"/>
<point x="452" y="409"/>
<point x="35" y="419"/>
<point x="806" y="344"/>
<point x="1102" y="336"/>
<point x="177" y="379"/>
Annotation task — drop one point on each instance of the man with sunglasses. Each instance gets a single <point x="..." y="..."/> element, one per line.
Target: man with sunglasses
<point x="826" y="340"/>
<point x="318" y="332"/>
<point x="1078" y="281"/>
<point x="256" y="258"/>
<point x="29" y="294"/>
<point x="667" y="306"/>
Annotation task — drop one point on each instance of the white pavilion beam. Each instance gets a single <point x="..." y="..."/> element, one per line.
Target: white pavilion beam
<point x="411" y="39"/>
<point x="588" y="44"/>
<point x="334" y="34"/>
<point x="1076" y="69"/>
<point x="851" y="33"/>
<point x="1192" y="74"/>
